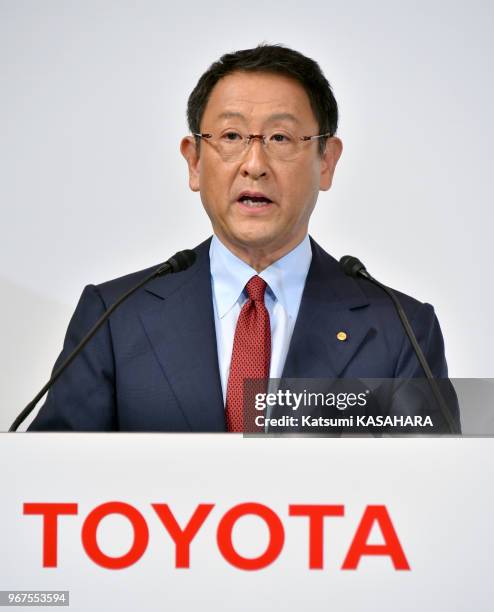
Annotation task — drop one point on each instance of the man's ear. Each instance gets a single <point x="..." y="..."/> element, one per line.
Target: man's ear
<point x="188" y="149"/>
<point x="329" y="159"/>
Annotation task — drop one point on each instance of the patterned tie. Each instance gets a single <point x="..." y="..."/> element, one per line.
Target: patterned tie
<point x="251" y="353"/>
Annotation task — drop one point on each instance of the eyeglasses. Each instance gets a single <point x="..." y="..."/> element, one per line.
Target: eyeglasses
<point x="232" y="145"/>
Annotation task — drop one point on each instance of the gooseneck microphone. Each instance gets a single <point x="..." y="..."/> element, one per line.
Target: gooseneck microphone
<point x="355" y="268"/>
<point x="179" y="262"/>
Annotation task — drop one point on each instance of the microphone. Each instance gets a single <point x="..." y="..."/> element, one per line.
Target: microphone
<point x="178" y="263"/>
<point x="355" y="268"/>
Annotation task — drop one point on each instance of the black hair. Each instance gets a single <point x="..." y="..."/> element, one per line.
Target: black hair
<point x="272" y="59"/>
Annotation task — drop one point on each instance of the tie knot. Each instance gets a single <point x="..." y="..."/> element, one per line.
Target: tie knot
<point x="256" y="288"/>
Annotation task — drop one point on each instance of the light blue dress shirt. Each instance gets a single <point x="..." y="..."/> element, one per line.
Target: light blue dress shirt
<point x="285" y="279"/>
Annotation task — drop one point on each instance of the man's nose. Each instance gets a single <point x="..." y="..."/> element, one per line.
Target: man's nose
<point x="255" y="160"/>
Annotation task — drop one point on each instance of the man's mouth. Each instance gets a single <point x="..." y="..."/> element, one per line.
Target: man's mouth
<point x="254" y="200"/>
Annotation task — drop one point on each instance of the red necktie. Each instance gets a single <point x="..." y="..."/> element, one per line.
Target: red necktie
<point x="251" y="353"/>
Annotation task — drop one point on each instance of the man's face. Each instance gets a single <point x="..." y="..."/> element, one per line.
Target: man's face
<point x="259" y="103"/>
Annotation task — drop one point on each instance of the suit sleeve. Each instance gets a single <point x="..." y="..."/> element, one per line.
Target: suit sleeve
<point x="83" y="398"/>
<point x="429" y="336"/>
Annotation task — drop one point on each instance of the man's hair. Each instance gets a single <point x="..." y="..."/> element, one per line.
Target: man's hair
<point x="275" y="59"/>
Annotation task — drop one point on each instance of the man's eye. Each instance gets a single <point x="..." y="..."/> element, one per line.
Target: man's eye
<point x="231" y="136"/>
<point x="282" y="138"/>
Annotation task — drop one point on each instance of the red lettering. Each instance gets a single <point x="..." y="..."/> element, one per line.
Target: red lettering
<point x="276" y="536"/>
<point x="391" y="547"/>
<point x="182" y="537"/>
<point x="50" y="514"/>
<point x="90" y="527"/>
<point x="316" y="514"/>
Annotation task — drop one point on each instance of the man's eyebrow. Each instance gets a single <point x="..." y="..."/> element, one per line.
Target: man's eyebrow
<point x="283" y="117"/>
<point x="273" y="117"/>
<point x="231" y="115"/>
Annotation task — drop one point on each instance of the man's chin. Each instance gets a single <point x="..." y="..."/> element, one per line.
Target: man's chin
<point x="262" y="243"/>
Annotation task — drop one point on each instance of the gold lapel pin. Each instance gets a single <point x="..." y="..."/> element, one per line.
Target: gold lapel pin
<point x="342" y="336"/>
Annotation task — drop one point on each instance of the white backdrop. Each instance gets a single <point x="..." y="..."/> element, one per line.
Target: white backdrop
<point x="92" y="109"/>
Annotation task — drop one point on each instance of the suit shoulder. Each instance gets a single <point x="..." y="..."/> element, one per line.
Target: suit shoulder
<point x="373" y="295"/>
<point x="123" y="283"/>
<point x="378" y="297"/>
<point x="112" y="289"/>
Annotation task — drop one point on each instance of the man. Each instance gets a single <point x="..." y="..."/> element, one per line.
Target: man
<point x="262" y="299"/>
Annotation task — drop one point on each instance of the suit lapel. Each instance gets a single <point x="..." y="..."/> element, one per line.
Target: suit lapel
<point x="180" y="327"/>
<point x="332" y="304"/>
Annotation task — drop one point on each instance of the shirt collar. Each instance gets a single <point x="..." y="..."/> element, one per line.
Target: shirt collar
<point x="285" y="277"/>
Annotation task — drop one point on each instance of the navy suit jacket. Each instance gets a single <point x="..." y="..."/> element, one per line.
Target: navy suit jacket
<point x="153" y="366"/>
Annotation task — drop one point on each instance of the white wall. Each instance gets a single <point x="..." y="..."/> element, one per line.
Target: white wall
<point x="92" y="108"/>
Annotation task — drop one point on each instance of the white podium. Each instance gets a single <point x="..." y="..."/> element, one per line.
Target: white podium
<point x="222" y="522"/>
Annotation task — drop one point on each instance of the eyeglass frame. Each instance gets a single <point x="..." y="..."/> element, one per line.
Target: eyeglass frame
<point x="262" y="137"/>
